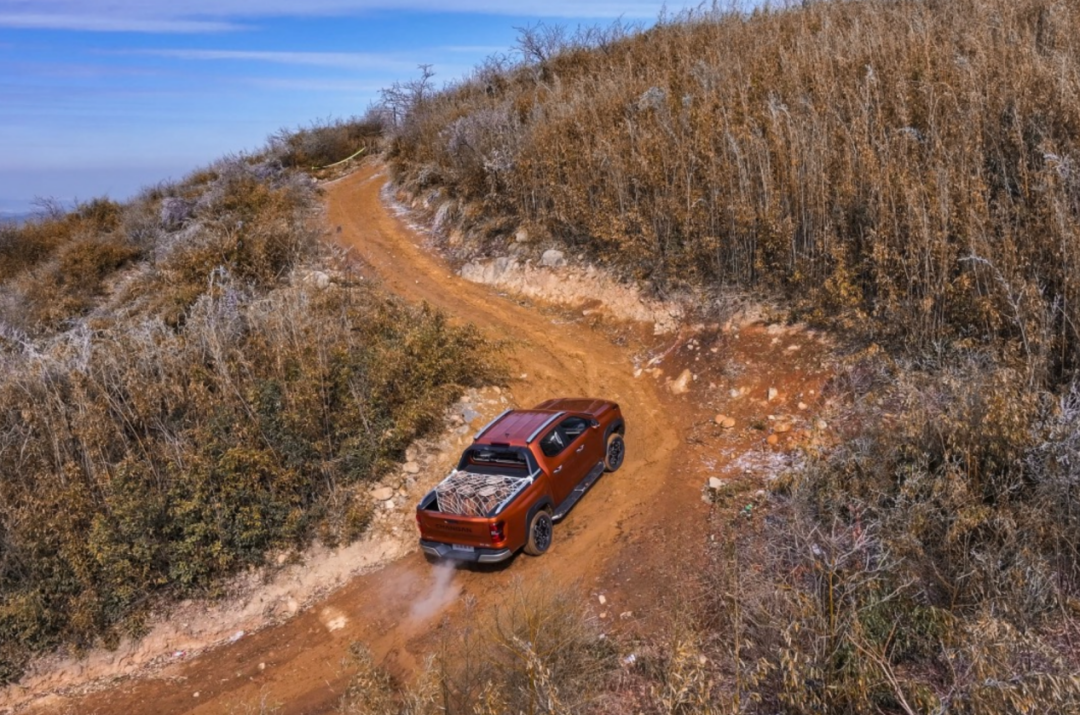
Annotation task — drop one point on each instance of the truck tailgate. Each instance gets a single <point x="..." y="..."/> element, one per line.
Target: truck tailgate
<point x="451" y="529"/>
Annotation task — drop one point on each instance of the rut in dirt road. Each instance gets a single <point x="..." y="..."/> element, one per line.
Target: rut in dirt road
<point x="299" y="663"/>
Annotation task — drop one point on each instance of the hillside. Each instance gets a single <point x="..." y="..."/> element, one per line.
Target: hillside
<point x="901" y="173"/>
<point x="187" y="382"/>
<point x="883" y="517"/>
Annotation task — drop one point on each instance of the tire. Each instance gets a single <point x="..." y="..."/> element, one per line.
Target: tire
<point x="540" y="533"/>
<point x="615" y="452"/>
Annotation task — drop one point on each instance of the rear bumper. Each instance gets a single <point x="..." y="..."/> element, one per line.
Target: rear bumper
<point x="476" y="556"/>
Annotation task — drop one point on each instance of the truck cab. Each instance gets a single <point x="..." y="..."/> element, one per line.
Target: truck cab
<point x="523" y="472"/>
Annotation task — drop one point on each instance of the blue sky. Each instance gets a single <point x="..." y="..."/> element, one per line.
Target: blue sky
<point x="102" y="97"/>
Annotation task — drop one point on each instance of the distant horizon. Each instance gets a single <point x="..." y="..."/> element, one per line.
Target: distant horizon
<point x="108" y="97"/>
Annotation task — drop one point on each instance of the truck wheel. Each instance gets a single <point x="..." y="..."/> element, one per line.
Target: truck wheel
<point x="540" y="529"/>
<point x="615" y="453"/>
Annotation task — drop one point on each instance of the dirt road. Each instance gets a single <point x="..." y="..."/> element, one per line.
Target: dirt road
<point x="299" y="663"/>
<point x="624" y="539"/>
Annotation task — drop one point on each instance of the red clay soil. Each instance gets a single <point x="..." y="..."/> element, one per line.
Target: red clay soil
<point x="625" y="539"/>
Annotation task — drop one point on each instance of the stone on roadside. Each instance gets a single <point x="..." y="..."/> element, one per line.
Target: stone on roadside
<point x="382" y="494"/>
<point x="773" y="394"/>
<point x="716" y="483"/>
<point x="782" y="427"/>
<point x="522" y="235"/>
<point x="681" y="384"/>
<point x="772" y="440"/>
<point x="411" y="468"/>
<point x="552" y="258"/>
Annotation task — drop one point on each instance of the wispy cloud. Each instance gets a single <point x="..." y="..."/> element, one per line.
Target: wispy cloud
<point x="198" y="16"/>
<point x="341" y="60"/>
<point x="107" y="23"/>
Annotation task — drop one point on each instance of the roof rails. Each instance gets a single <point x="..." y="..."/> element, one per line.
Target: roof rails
<point x="540" y="429"/>
<point x="488" y="426"/>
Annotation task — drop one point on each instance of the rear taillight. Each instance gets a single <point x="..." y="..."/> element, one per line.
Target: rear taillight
<point x="498" y="535"/>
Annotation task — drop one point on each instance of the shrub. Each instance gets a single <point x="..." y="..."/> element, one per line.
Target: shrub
<point x="898" y="165"/>
<point x="213" y="406"/>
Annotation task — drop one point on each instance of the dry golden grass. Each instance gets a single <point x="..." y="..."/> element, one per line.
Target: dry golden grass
<point x="909" y="166"/>
<point x="907" y="171"/>
<point x="178" y="396"/>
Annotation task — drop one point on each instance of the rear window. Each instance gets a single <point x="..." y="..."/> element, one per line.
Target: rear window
<point x="494" y="457"/>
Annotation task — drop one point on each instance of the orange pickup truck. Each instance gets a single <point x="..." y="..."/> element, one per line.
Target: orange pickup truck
<point x="524" y="471"/>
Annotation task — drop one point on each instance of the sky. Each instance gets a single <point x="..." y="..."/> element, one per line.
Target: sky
<point x="104" y="97"/>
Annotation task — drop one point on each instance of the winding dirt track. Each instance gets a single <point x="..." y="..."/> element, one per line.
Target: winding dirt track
<point x="619" y="537"/>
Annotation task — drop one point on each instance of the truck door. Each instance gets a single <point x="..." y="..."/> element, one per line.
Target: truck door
<point x="568" y="455"/>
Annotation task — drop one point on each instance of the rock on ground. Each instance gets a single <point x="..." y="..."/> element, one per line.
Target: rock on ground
<point x="553" y="259"/>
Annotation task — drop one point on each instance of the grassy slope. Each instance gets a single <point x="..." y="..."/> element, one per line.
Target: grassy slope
<point x="178" y="395"/>
<point x="906" y="171"/>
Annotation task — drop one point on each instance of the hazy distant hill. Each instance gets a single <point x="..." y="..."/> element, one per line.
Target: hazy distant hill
<point x="14" y="218"/>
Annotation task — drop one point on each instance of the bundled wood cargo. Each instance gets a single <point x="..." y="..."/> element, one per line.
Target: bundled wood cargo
<point x="467" y="494"/>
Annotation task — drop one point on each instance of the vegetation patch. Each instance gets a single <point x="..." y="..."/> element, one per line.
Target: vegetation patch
<point x="905" y="172"/>
<point x="188" y="381"/>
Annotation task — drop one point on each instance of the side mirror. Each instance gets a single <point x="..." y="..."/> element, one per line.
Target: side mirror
<point x="594" y="424"/>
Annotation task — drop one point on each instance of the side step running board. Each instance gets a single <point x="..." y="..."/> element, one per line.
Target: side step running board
<point x="579" y="491"/>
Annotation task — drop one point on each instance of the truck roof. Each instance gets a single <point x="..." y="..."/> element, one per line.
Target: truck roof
<point x="515" y="427"/>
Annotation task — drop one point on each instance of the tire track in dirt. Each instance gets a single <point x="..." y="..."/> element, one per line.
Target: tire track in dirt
<point x="299" y="664"/>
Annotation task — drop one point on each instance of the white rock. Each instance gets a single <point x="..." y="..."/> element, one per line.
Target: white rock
<point x="681" y="384"/>
<point x="472" y="272"/>
<point x="382" y="494"/>
<point x="522" y="236"/>
<point x="411" y="468"/>
<point x="716" y="483"/>
<point x="602" y="599"/>
<point x="500" y="267"/>
<point x="318" y="279"/>
<point x="552" y="259"/>
<point x="773" y="393"/>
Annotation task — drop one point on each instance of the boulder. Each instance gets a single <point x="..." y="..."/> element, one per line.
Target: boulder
<point x="473" y="271"/>
<point x="681" y="384"/>
<point x="553" y="259"/>
<point x="500" y="267"/>
<point x="382" y="494"/>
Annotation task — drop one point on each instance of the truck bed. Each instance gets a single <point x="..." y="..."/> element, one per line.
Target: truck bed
<point x="465" y="493"/>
